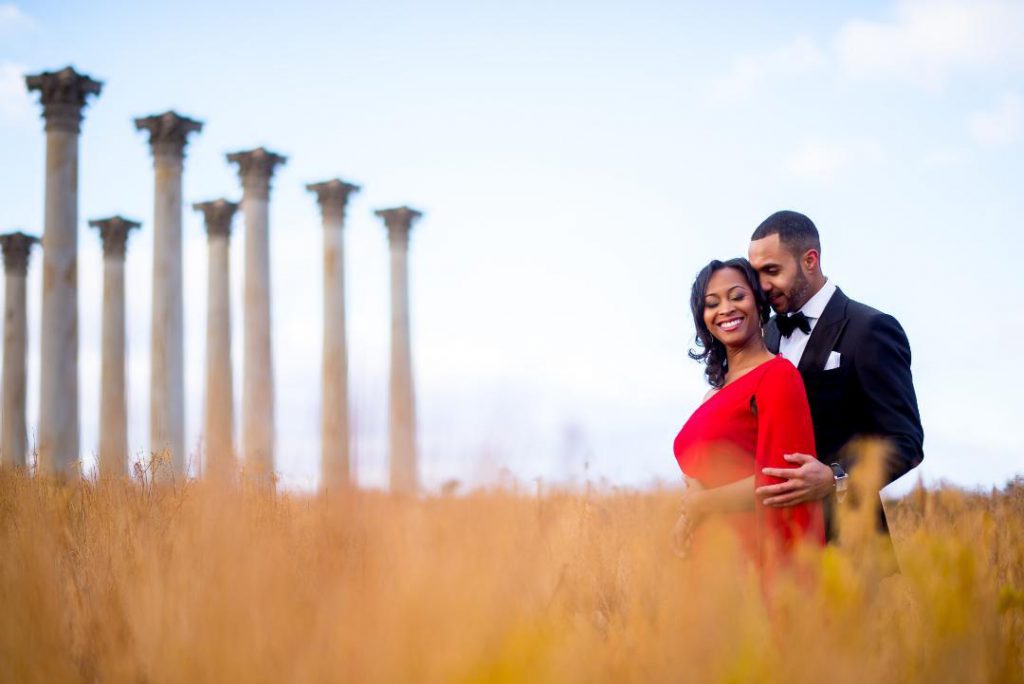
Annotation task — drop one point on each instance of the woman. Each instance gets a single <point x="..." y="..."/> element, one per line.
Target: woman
<point x="755" y="413"/>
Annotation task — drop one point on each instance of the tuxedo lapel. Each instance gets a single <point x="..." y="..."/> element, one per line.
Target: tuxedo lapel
<point x="826" y="332"/>
<point x="771" y="336"/>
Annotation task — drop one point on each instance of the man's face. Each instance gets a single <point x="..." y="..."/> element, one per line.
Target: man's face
<point x="782" y="277"/>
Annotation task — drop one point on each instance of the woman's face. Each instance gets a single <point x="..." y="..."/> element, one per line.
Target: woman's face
<point x="730" y="310"/>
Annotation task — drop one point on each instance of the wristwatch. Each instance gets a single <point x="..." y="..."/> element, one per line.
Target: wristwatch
<point x="841" y="479"/>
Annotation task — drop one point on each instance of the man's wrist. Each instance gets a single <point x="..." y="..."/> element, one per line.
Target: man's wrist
<point x="840" y="480"/>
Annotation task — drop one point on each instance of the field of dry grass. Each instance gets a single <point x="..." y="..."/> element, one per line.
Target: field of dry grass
<point x="121" y="582"/>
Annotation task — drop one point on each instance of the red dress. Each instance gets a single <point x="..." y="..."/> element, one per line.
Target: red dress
<point x="747" y="425"/>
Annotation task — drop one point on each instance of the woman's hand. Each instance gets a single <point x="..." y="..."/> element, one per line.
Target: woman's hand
<point x="682" y="536"/>
<point x="691" y="514"/>
<point x="693" y="504"/>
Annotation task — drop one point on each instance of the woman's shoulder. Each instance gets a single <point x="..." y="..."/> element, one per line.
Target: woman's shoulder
<point x="780" y="370"/>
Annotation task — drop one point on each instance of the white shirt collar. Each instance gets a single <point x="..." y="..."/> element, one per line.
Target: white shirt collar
<point x="815" y="306"/>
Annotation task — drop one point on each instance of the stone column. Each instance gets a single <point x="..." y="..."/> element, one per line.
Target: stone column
<point x="256" y="167"/>
<point x="63" y="95"/>
<point x="219" y="418"/>
<point x="334" y="428"/>
<point x="168" y="135"/>
<point x="113" y="388"/>
<point x="13" y="438"/>
<point x="402" y="404"/>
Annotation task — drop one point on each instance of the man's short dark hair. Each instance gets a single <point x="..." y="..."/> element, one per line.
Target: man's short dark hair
<point x="796" y="232"/>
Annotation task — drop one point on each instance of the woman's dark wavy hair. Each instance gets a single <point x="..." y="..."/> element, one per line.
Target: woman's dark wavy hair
<point x="710" y="350"/>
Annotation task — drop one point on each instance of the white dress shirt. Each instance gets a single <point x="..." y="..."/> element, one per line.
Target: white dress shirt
<point x="792" y="347"/>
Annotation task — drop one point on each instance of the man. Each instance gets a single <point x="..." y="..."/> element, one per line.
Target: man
<point x="855" y="362"/>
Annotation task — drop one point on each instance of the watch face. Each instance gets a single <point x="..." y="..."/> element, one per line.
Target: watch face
<point x="840" y="476"/>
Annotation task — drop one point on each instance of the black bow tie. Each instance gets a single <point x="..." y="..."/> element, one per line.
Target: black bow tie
<point x="787" y="324"/>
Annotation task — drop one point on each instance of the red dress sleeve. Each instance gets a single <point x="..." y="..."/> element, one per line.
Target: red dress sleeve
<point x="784" y="427"/>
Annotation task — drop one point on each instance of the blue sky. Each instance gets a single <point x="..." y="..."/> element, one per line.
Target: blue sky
<point x="577" y="163"/>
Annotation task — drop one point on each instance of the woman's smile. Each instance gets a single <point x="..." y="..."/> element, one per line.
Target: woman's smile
<point x="731" y="324"/>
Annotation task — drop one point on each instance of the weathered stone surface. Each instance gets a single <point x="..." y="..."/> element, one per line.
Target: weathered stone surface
<point x="168" y="135"/>
<point x="17" y="247"/>
<point x="219" y="464"/>
<point x="218" y="215"/>
<point x="13" y="430"/>
<point x="113" y="447"/>
<point x="402" y="401"/>
<point x="63" y="95"/>
<point x="335" y="466"/>
<point x="168" y="132"/>
<point x="114" y="234"/>
<point x="256" y="168"/>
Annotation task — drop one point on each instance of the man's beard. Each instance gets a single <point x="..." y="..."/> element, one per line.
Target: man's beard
<point x="798" y="294"/>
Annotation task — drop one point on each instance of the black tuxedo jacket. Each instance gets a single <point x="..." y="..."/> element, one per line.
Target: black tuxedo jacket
<point x="870" y="394"/>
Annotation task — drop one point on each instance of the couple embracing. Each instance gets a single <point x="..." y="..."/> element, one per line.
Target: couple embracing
<point x="764" y="453"/>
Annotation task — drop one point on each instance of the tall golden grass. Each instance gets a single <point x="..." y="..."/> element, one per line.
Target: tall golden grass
<point x="124" y="582"/>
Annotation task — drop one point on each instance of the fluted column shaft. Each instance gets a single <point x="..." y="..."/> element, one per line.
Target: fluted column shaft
<point x="402" y="404"/>
<point x="167" y="379"/>
<point x="219" y="419"/>
<point x="113" y="446"/>
<point x="58" y="377"/>
<point x="15" y="439"/>
<point x="63" y="95"/>
<point x="402" y="411"/>
<point x="219" y="415"/>
<point x="255" y="169"/>
<point x="335" y="466"/>
<point x="168" y="135"/>
<point x="334" y="462"/>
<point x="113" y="402"/>
<point x="257" y="354"/>
<point x="14" y="444"/>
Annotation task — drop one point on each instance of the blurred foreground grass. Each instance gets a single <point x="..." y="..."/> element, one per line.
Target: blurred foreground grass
<point x="117" y="582"/>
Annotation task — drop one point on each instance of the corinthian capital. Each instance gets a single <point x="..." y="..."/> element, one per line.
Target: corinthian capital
<point x="398" y="222"/>
<point x="218" y="215"/>
<point x="16" y="247"/>
<point x="63" y="95"/>
<point x="168" y="132"/>
<point x="114" y="233"/>
<point x="255" y="168"/>
<point x="332" y="196"/>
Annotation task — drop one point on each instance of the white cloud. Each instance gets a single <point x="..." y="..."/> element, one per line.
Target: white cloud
<point x="927" y="40"/>
<point x="12" y="17"/>
<point x="822" y="160"/>
<point x="924" y="43"/>
<point x="749" y="72"/>
<point x="15" y="103"/>
<point x="1001" y="125"/>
